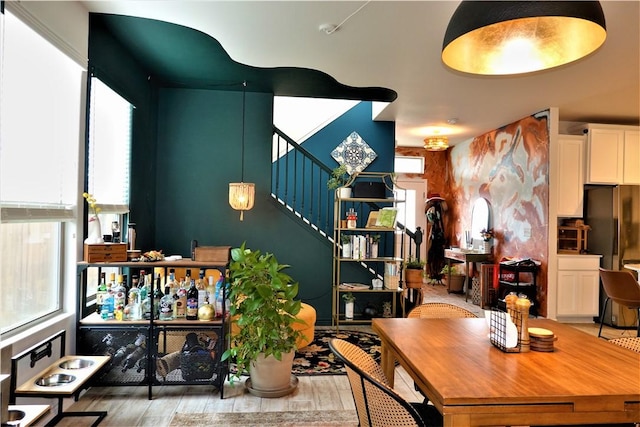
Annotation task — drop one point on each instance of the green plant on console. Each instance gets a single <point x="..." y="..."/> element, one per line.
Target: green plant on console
<point x="339" y="177"/>
<point x="263" y="305"/>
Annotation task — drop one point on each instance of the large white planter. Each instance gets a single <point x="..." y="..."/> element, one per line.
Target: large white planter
<point x="270" y="377"/>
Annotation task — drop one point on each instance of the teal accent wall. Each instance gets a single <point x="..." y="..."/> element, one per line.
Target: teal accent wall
<point x="187" y="148"/>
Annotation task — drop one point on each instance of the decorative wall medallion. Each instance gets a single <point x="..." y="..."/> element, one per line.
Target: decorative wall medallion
<point x="354" y="153"/>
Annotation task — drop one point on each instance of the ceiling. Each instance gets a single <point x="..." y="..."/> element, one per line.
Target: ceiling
<point x="396" y="45"/>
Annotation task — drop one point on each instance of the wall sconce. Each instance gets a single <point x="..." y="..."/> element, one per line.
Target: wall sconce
<point x="436" y="143"/>
<point x="242" y="194"/>
<point x="515" y="37"/>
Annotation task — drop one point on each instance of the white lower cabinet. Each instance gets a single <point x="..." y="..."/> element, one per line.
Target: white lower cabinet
<point x="578" y="287"/>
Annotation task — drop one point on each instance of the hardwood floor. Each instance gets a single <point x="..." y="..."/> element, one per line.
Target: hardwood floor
<point x="129" y="406"/>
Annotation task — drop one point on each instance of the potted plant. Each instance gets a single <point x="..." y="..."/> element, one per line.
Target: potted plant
<point x="338" y="180"/>
<point x="456" y="283"/>
<point x="345" y="239"/>
<point x="349" y="301"/>
<point x="413" y="272"/>
<point x="263" y="305"/>
<point x="375" y="240"/>
<point x="487" y="236"/>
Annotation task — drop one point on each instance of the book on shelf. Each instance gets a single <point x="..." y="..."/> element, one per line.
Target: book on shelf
<point x="387" y="217"/>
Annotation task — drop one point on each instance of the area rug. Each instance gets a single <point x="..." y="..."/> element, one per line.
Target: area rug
<point x="317" y="358"/>
<point x="261" y="419"/>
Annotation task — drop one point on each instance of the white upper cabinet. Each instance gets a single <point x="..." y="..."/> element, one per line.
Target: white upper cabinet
<point x="570" y="175"/>
<point x="611" y="157"/>
<point x="631" y="163"/>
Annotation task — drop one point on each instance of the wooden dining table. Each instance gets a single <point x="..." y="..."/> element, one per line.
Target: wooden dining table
<point x="585" y="380"/>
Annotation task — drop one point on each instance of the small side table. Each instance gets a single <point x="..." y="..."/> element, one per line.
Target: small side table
<point x="469" y="258"/>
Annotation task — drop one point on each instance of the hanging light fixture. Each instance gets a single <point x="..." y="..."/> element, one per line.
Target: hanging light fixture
<point x="515" y="37"/>
<point x="242" y="194"/>
<point x="436" y="143"/>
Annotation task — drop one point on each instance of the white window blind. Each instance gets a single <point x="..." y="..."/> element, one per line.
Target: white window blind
<point x="109" y="148"/>
<point x="40" y="113"/>
<point x="41" y="122"/>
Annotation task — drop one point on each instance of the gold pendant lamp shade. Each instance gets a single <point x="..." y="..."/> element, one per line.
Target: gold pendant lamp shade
<point x="516" y="37"/>
<point x="436" y="143"/>
<point x="242" y="194"/>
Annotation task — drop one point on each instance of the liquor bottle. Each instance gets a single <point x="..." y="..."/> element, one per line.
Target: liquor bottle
<point x="101" y="293"/>
<point x="220" y="309"/>
<point x="132" y="358"/>
<point x="119" y="298"/>
<point x="211" y="292"/>
<point x="166" y="304"/>
<point x="132" y="309"/>
<point x="192" y="301"/>
<point x="157" y="297"/>
<point x="172" y="281"/>
<point x="180" y="307"/>
<point x="145" y="296"/>
<point x="202" y="290"/>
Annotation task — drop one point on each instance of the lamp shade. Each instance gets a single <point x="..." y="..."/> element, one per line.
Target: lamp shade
<point x="436" y="143"/>
<point x="515" y="37"/>
<point x="241" y="196"/>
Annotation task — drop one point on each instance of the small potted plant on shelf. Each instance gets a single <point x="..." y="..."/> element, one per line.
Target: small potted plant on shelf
<point x="457" y="278"/>
<point x="349" y="301"/>
<point x="413" y="272"/>
<point x="338" y="180"/>
<point x="345" y="240"/>
<point x="375" y="241"/>
<point x="263" y="308"/>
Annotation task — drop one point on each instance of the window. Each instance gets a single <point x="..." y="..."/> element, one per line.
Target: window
<point x="41" y="116"/>
<point x="109" y="157"/>
<point x="409" y="164"/>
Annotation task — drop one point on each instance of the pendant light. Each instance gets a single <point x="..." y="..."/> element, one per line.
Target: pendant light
<point x="436" y="143"/>
<point x="242" y="194"/>
<point x="516" y="37"/>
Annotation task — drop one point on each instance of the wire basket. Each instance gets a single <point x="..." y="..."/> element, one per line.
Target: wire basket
<point x="498" y="324"/>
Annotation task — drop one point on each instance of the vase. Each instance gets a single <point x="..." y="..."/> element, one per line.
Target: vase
<point x="487" y="247"/>
<point x="374" y="250"/>
<point x="348" y="310"/>
<point x="346" y="250"/>
<point x="94" y="231"/>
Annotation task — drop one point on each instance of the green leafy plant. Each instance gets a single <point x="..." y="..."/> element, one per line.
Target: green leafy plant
<point x="455" y="270"/>
<point x="339" y="177"/>
<point x="263" y="306"/>
<point x="348" y="297"/>
<point x="345" y="239"/>
<point x="413" y="264"/>
<point x="375" y="238"/>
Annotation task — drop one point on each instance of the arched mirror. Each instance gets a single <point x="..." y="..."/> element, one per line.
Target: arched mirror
<point x="480" y="218"/>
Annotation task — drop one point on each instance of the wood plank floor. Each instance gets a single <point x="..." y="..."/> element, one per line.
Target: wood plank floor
<point x="129" y="406"/>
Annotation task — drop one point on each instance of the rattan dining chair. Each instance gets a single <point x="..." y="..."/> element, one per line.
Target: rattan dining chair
<point x="621" y="287"/>
<point x="439" y="310"/>
<point x="377" y="404"/>
<point x="632" y="343"/>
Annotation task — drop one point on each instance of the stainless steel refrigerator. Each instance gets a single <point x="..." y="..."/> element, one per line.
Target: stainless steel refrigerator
<point x="613" y="213"/>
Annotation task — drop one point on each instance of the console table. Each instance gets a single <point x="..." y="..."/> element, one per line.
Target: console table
<point x="468" y="257"/>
